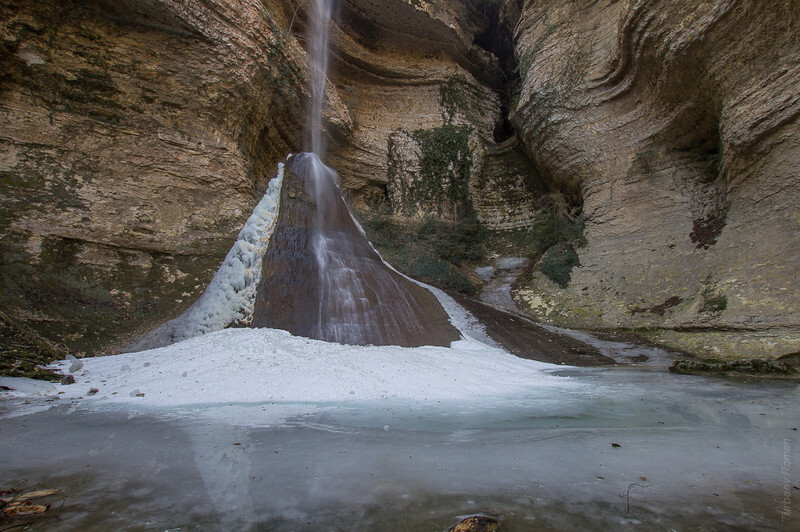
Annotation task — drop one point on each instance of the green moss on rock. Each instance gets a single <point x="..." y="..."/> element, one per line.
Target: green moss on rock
<point x="440" y="185"/>
<point x="23" y="353"/>
<point x="558" y="262"/>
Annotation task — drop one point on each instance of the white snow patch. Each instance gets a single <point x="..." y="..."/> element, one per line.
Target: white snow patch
<point x="270" y="365"/>
<point x="24" y="387"/>
<point x="230" y="296"/>
<point x="463" y="320"/>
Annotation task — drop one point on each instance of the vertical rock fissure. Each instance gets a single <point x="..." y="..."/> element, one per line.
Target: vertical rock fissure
<point x="497" y="39"/>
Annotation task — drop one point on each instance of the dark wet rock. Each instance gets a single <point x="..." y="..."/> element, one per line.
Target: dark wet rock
<point x="359" y="300"/>
<point x="477" y="523"/>
<point x="756" y="367"/>
<point x="69" y="379"/>
<point x="525" y="339"/>
<point x="92" y="391"/>
<point x="791" y="359"/>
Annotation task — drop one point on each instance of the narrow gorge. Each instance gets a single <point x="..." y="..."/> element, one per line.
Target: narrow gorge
<point x="638" y="159"/>
<point x="399" y="265"/>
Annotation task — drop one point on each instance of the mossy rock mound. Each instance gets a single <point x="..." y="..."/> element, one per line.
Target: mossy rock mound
<point x="23" y="353"/>
<point x="756" y="367"/>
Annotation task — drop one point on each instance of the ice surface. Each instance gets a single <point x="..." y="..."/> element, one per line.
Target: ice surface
<point x="622" y="352"/>
<point x="693" y="453"/>
<point x="485" y="272"/>
<point x="230" y="296"/>
<point x="499" y="278"/>
<point x="257" y="429"/>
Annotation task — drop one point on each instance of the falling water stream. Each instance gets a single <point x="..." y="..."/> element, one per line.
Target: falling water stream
<point x="318" y="39"/>
<point x="347" y="295"/>
<point x="343" y="302"/>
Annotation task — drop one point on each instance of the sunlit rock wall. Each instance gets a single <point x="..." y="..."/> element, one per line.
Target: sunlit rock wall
<point x="675" y="123"/>
<point x="135" y="138"/>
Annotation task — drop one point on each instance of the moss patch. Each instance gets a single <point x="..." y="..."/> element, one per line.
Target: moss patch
<point x="714" y="301"/>
<point x="442" y="182"/>
<point x="558" y="262"/>
<point x="452" y="98"/>
<point x="85" y="307"/>
<point x="551" y="245"/>
<point x="437" y="252"/>
<point x="23" y="353"/>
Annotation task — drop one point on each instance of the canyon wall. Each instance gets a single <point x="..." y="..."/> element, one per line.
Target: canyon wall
<point x="135" y="138"/>
<point x="137" y="135"/>
<point x="675" y="123"/>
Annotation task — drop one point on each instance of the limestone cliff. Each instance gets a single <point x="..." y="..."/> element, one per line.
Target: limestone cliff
<point x="136" y="135"/>
<point x="135" y="138"/>
<point x="675" y="124"/>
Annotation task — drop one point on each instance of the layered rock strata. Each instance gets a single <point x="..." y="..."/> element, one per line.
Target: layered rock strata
<point x="135" y="138"/>
<point x="675" y="124"/>
<point x="425" y="107"/>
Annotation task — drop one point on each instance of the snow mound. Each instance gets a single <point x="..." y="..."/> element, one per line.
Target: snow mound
<point x="269" y="365"/>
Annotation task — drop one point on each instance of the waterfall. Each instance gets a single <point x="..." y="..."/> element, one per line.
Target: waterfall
<point x="304" y="265"/>
<point x="322" y="279"/>
<point x="318" y="39"/>
<point x="342" y="299"/>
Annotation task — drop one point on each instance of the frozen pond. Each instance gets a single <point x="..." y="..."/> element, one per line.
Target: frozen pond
<point x="691" y="453"/>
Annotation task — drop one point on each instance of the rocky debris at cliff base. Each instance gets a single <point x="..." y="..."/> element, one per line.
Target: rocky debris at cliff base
<point x="756" y="367"/>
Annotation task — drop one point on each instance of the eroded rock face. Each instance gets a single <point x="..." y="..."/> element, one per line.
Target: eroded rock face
<point x="136" y="136"/>
<point x="676" y="125"/>
<point x="426" y="114"/>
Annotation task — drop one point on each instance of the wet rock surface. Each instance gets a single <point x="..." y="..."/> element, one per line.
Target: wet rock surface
<point x="355" y="298"/>
<point x="757" y="367"/>
<point x="525" y="339"/>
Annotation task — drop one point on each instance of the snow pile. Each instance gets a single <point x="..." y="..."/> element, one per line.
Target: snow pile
<point x="230" y="296"/>
<point x="269" y="365"/>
